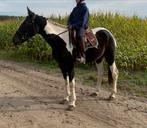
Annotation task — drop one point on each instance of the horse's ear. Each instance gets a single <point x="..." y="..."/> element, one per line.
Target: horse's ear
<point x="30" y="13"/>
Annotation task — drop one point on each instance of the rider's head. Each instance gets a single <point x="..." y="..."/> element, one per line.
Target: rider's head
<point x="78" y="1"/>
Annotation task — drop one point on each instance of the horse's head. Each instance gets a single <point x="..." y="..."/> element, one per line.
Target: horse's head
<point x="32" y="25"/>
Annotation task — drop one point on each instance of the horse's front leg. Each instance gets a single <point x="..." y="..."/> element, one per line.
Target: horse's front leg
<point x="67" y="87"/>
<point x="73" y="93"/>
<point x="72" y="100"/>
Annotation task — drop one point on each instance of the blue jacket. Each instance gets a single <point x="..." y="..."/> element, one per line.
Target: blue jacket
<point x="79" y="17"/>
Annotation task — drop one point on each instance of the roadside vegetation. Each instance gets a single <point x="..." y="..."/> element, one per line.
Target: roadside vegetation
<point x="131" y="54"/>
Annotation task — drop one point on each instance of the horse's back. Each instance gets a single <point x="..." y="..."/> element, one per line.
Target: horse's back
<point x="101" y="29"/>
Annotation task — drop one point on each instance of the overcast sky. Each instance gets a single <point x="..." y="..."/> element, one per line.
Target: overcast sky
<point x="48" y="7"/>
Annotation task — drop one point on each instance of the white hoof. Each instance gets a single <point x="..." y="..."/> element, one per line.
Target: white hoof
<point x="70" y="108"/>
<point x="64" y="101"/>
<point x="112" y="97"/>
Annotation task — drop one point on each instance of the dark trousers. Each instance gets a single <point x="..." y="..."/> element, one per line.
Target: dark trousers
<point x="77" y="38"/>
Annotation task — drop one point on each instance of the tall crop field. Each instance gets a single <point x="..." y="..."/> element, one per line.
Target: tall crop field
<point x="130" y="33"/>
<point x="131" y="36"/>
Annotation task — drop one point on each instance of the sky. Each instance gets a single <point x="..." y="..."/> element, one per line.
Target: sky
<point x="46" y="7"/>
<point x="62" y="7"/>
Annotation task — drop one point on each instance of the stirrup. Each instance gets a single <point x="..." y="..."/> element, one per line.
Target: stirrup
<point x="82" y="60"/>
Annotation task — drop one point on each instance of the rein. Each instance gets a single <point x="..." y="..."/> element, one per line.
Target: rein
<point x="63" y="32"/>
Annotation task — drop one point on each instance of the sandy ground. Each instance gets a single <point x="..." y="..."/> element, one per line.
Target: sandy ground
<point x="29" y="98"/>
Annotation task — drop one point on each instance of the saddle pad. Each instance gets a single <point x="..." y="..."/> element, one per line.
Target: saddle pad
<point x="91" y="40"/>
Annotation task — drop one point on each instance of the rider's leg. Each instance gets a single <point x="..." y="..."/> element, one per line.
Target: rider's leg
<point x="81" y="45"/>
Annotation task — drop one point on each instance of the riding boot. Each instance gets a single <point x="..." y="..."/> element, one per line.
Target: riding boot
<point x="81" y="51"/>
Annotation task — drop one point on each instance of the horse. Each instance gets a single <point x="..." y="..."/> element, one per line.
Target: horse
<point x="65" y="53"/>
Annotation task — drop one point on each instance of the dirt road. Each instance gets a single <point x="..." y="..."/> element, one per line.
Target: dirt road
<point x="29" y="98"/>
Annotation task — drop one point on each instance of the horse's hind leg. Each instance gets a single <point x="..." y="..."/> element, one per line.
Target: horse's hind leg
<point x="100" y="70"/>
<point x="113" y="76"/>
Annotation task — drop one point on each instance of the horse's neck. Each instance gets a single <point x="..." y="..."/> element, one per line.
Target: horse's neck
<point x="47" y="37"/>
<point x="51" y="28"/>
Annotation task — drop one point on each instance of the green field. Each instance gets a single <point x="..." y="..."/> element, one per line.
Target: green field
<point x="131" y="36"/>
<point x="131" y="53"/>
<point x="130" y="33"/>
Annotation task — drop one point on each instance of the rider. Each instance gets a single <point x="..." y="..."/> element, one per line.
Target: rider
<point x="77" y="23"/>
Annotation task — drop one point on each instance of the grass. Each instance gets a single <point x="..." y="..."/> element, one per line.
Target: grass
<point x="134" y="83"/>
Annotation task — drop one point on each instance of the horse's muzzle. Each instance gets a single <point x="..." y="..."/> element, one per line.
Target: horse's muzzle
<point x="16" y="41"/>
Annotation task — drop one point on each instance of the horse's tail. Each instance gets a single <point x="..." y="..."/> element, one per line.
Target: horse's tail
<point x="110" y="56"/>
<point x="110" y="77"/>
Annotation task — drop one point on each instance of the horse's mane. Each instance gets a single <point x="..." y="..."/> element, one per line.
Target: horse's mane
<point x="57" y="24"/>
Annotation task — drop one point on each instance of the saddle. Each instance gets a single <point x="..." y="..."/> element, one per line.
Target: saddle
<point x="90" y="39"/>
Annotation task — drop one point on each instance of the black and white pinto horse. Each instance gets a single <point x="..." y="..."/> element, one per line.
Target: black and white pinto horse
<point x="64" y="52"/>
